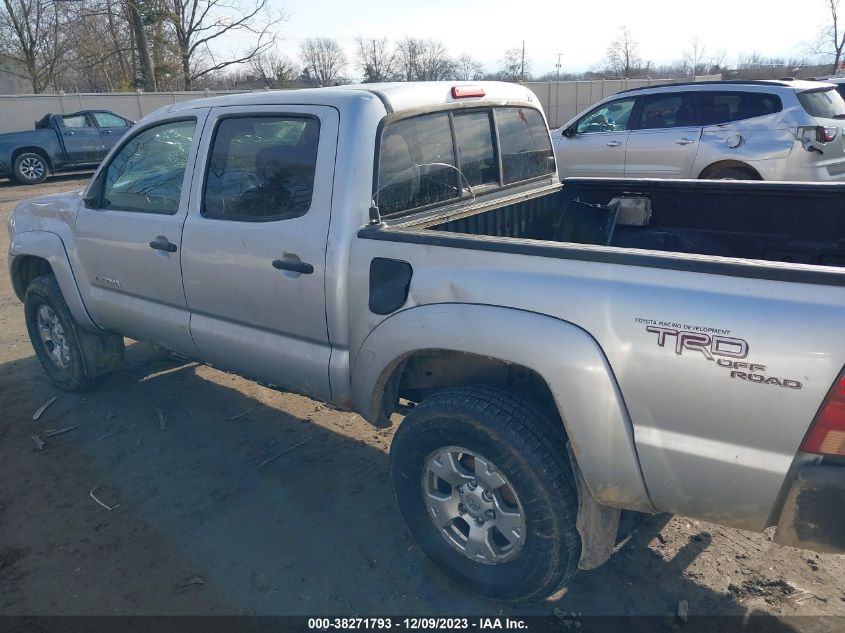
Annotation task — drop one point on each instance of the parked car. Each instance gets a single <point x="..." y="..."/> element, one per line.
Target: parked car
<point x="750" y="130"/>
<point x="60" y="142"/>
<point x="558" y="353"/>
<point x="836" y="80"/>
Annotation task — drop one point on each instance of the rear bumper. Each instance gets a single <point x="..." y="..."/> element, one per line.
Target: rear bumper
<point x="813" y="515"/>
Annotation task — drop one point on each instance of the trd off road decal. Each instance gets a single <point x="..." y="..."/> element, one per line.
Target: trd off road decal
<point x="715" y="345"/>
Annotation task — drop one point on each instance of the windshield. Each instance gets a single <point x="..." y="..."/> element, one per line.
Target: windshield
<point x="825" y="104"/>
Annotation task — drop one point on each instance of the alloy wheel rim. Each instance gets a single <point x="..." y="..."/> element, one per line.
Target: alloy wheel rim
<point x="32" y="168"/>
<point x="53" y="337"/>
<point x="473" y="505"/>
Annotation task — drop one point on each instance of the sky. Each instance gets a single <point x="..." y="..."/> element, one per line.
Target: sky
<point x="581" y="31"/>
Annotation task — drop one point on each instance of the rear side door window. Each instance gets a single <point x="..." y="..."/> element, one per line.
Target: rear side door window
<point x="524" y="144"/>
<point x="76" y="121"/>
<point x="261" y="168"/>
<point x="662" y="111"/>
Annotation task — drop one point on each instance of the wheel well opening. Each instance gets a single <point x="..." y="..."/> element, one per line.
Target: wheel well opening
<point x="25" y="268"/>
<point x="32" y="150"/>
<point x="708" y="171"/>
<point x="424" y="373"/>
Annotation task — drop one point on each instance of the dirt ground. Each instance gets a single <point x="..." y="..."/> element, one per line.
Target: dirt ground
<point x="200" y="528"/>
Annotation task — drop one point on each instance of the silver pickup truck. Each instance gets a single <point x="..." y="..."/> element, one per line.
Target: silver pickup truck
<point x="555" y="352"/>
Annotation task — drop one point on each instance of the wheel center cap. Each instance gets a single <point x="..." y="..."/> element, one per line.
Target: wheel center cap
<point x="473" y="503"/>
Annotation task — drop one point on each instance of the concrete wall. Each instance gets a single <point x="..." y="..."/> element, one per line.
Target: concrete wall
<point x="11" y="79"/>
<point x="562" y="100"/>
<point x="19" y="112"/>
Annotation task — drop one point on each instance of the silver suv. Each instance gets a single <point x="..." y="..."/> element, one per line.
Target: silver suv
<point x="753" y="130"/>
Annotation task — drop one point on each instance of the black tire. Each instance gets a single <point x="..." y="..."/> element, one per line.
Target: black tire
<point x="530" y="451"/>
<point x="89" y="356"/>
<point x="30" y="168"/>
<point x="733" y="173"/>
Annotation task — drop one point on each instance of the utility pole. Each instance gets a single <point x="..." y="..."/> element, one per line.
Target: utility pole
<point x="557" y="67"/>
<point x="522" y="66"/>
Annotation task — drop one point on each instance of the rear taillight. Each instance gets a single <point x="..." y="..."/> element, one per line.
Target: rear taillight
<point x="827" y="134"/>
<point x="827" y="435"/>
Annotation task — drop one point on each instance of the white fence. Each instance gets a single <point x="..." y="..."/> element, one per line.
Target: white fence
<point x="19" y="112"/>
<point x="561" y="100"/>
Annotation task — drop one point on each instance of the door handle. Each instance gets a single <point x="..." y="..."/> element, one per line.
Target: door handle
<point x="295" y="266"/>
<point x="163" y="244"/>
<point x="614" y="144"/>
<point x="68" y="133"/>
<point x="684" y="141"/>
<point x="106" y="131"/>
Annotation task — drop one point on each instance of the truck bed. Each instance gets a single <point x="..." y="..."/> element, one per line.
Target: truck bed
<point x="790" y="223"/>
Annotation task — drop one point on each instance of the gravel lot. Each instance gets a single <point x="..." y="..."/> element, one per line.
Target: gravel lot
<point x="199" y="528"/>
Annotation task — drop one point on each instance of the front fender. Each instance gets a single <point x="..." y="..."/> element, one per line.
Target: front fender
<point x="49" y="246"/>
<point x="565" y="356"/>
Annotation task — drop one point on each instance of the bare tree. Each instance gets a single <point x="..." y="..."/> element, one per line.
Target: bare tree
<point x="376" y="59"/>
<point x="514" y="66"/>
<point x="197" y="24"/>
<point x="276" y="71"/>
<point x="623" y="58"/>
<point x="695" y="61"/>
<point x="831" y="42"/>
<point x="420" y="59"/>
<point x="324" y="60"/>
<point x="408" y="52"/>
<point x="32" y="36"/>
<point x="434" y="62"/>
<point x="467" y="68"/>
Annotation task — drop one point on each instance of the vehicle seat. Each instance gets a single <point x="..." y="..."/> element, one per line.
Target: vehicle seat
<point x="285" y="184"/>
<point x="685" y="116"/>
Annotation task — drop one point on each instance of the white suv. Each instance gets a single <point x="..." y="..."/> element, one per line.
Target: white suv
<point x="753" y="130"/>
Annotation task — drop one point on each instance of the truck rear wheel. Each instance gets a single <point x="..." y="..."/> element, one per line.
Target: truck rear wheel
<point x="483" y="482"/>
<point x="72" y="357"/>
<point x="30" y="168"/>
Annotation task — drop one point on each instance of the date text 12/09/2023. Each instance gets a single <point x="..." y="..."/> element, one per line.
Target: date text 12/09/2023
<point x="417" y="623"/>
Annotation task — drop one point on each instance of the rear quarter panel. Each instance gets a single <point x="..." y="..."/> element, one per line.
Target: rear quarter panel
<point x="710" y="445"/>
<point x="45" y="139"/>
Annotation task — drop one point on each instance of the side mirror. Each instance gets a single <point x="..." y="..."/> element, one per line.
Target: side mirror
<point x="93" y="198"/>
<point x="570" y="131"/>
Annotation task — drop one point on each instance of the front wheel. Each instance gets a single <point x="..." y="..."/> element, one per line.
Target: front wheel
<point x="72" y="357"/>
<point x="483" y="482"/>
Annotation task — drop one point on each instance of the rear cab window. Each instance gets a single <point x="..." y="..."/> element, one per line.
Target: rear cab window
<point x="525" y="145"/>
<point x="434" y="158"/>
<point x="825" y="103"/>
